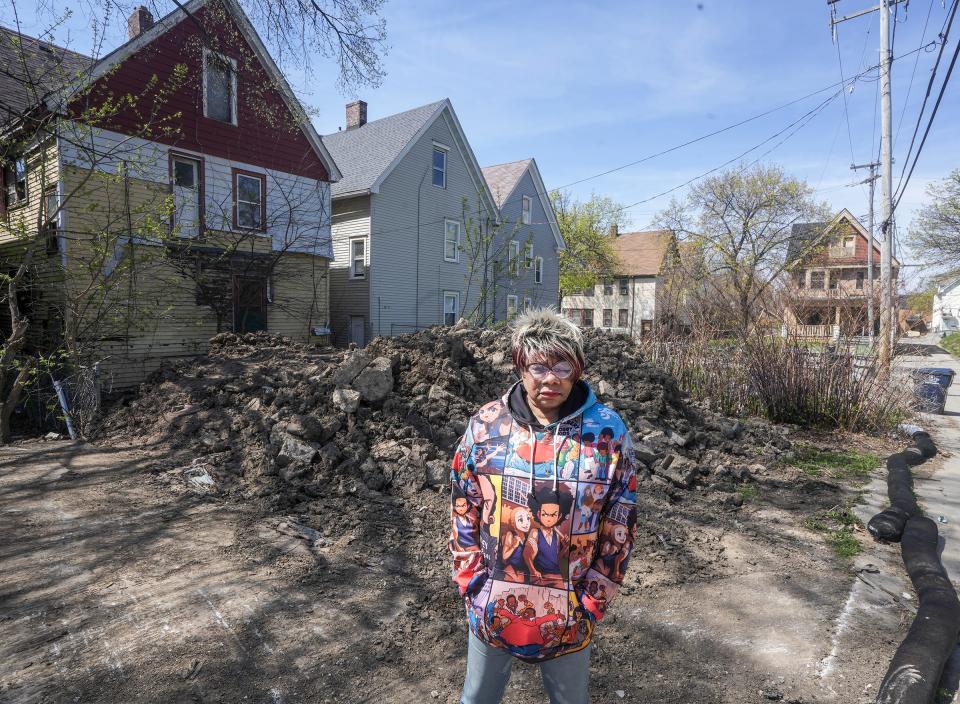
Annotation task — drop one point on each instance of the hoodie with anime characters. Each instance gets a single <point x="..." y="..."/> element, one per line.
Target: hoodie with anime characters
<point x="542" y="521"/>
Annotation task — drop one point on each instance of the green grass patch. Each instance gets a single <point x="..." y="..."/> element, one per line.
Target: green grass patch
<point x="748" y="491"/>
<point x="839" y="524"/>
<point x="836" y="464"/>
<point x="951" y="343"/>
<point x="845" y="543"/>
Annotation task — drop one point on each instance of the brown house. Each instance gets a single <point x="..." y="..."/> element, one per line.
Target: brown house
<point x="829" y="281"/>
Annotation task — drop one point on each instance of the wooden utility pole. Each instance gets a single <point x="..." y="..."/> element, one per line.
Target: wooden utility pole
<point x="872" y="180"/>
<point x="886" y="174"/>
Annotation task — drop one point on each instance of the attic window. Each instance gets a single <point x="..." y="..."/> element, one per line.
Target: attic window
<point x="525" y="212"/>
<point x="219" y="88"/>
<point x="439" y="167"/>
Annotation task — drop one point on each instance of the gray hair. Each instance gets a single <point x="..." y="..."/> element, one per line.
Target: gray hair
<point x="542" y="333"/>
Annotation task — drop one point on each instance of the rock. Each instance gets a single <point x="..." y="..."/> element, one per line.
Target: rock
<point x="604" y="388"/>
<point x="741" y="473"/>
<point x="438" y="473"/>
<point x="293" y="450"/>
<point x="731" y="430"/>
<point x="329" y="453"/>
<point x="347" y="400"/>
<point x="375" y="382"/>
<point x="350" y="370"/>
<point x="645" y="454"/>
<point x="679" y="470"/>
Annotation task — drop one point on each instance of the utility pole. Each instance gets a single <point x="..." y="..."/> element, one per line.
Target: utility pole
<point x="872" y="180"/>
<point x="886" y="174"/>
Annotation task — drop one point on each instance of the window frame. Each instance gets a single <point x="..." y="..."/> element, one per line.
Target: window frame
<point x="353" y="257"/>
<point x="233" y="86"/>
<point x="823" y="280"/>
<point x="455" y="296"/>
<point x="526" y="209"/>
<point x="608" y="317"/>
<point x="587" y="318"/>
<point x="438" y="149"/>
<point x="456" y="250"/>
<point x="623" y="317"/>
<point x="20" y="201"/>
<point x="527" y="303"/>
<point x="201" y="185"/>
<point x="538" y="270"/>
<point x="624" y="286"/>
<point x="528" y="255"/>
<point x="608" y="287"/>
<point x="235" y="181"/>
<point x="513" y="257"/>
<point x="512" y="297"/>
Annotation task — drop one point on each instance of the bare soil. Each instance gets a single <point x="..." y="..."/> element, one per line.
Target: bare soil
<point x="119" y="583"/>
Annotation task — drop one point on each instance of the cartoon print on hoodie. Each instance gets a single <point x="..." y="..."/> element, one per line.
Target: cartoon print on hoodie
<point x="540" y="557"/>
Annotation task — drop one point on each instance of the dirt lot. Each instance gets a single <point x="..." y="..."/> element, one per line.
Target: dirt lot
<point x="120" y="584"/>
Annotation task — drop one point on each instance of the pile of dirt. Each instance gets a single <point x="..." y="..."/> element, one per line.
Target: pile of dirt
<point x="265" y="417"/>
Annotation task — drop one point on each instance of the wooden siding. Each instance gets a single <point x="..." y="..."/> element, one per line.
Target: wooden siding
<point x="351" y="218"/>
<point x="267" y="133"/>
<point x="42" y="173"/>
<point x="398" y="300"/>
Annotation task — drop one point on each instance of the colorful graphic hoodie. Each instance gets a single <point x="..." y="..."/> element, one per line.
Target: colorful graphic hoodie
<point x="542" y="522"/>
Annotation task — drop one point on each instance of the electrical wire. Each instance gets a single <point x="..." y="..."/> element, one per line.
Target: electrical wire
<point x="913" y="74"/>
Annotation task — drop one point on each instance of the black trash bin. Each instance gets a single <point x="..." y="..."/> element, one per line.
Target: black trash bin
<point x="932" y="397"/>
<point x="937" y="375"/>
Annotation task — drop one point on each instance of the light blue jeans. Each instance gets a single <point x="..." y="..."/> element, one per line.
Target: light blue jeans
<point x="488" y="671"/>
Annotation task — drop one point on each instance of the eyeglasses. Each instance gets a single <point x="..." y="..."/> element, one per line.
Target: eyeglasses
<point x="561" y="370"/>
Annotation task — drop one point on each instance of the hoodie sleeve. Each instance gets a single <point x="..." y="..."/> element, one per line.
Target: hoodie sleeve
<point x="468" y="569"/>
<point x="619" y="511"/>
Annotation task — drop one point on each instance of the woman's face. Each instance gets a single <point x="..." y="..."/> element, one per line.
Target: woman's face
<point x="549" y="392"/>
<point x="522" y="519"/>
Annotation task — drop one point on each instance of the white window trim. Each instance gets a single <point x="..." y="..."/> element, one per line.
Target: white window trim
<point x="515" y="306"/>
<point x="527" y="303"/>
<point x="526" y="210"/>
<point x="456" y="251"/>
<point x="446" y="154"/>
<point x="513" y="257"/>
<point x="455" y="295"/>
<point x="538" y="270"/>
<point x="233" y="86"/>
<point x="261" y="186"/>
<point x="528" y="256"/>
<point x="352" y="258"/>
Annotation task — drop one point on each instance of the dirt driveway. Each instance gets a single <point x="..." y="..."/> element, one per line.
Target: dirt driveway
<point x="118" y="586"/>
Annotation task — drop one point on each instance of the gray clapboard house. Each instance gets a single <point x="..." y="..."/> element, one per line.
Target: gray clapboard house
<point x="530" y="232"/>
<point x="398" y="222"/>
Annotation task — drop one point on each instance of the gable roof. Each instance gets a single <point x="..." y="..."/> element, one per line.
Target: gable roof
<point x="642" y="253"/>
<point x="60" y="95"/>
<point x="367" y="154"/>
<point x="33" y="68"/>
<point x="804" y="235"/>
<point x="503" y="179"/>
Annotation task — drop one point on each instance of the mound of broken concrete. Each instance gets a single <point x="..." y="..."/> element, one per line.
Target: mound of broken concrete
<point x="263" y="417"/>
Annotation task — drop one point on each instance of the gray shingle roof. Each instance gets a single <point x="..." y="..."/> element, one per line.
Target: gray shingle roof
<point x="803" y="235"/>
<point x="502" y="178"/>
<point x="31" y="68"/>
<point x="364" y="153"/>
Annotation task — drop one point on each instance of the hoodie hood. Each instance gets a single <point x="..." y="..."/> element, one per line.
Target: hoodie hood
<point x="581" y="398"/>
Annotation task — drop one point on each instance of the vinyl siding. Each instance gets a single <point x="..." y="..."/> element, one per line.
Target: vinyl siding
<point x="351" y="218"/>
<point x="640" y="301"/>
<point x="539" y="233"/>
<point x="400" y="299"/>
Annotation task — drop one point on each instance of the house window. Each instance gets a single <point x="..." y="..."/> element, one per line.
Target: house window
<point x="832" y="278"/>
<point x="608" y="317"/>
<point x="624" y="287"/>
<point x="511" y="307"/>
<point x="528" y="255"/>
<point x="250" y="205"/>
<point x="538" y="270"/>
<point x="816" y="279"/>
<point x="607" y="288"/>
<point x="50" y="217"/>
<point x="451" y="307"/>
<point x="622" y="318"/>
<point x="513" y="255"/>
<point x="358" y="252"/>
<point x="800" y="278"/>
<point x="249" y="304"/>
<point x="451" y="241"/>
<point x="860" y="276"/>
<point x="525" y="212"/>
<point x="439" y="167"/>
<point x="527" y="304"/>
<point x="587" y="318"/>
<point x="220" y="88"/>
<point x="15" y="183"/>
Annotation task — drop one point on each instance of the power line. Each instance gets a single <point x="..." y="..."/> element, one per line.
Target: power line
<point x="913" y="74"/>
<point x="846" y="111"/>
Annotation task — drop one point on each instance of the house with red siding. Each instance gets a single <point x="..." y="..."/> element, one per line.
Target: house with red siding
<point x="170" y="190"/>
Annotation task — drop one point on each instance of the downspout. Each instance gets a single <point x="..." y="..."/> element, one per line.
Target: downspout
<point x="416" y="294"/>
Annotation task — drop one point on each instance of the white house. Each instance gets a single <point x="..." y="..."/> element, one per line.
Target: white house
<point x="946" y="307"/>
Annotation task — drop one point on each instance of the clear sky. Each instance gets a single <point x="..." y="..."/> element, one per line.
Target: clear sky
<point x="586" y="87"/>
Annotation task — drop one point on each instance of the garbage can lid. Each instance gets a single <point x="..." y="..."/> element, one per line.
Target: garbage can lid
<point x="945" y="371"/>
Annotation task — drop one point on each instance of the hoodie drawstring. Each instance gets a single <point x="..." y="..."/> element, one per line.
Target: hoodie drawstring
<point x="556" y="452"/>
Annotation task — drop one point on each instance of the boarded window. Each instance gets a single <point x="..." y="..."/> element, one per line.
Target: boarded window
<point x="220" y="84"/>
<point x="249" y="304"/>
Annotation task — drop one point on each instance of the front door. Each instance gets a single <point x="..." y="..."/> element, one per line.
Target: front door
<point x="356" y="329"/>
<point x="186" y="196"/>
<point x="249" y="304"/>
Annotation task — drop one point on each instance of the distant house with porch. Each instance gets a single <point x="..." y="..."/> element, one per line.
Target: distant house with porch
<point x="946" y="307"/>
<point x="828" y="292"/>
<point x="628" y="301"/>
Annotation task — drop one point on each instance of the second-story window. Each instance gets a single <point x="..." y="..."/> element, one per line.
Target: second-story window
<point x="538" y="270"/>
<point x="439" y="167"/>
<point x="451" y="241"/>
<point x="513" y="256"/>
<point x="608" y="289"/>
<point x="15" y="183"/>
<point x="624" y="288"/>
<point x="249" y="195"/>
<point x="525" y="212"/>
<point x="528" y="255"/>
<point x="860" y="277"/>
<point x="800" y="278"/>
<point x="358" y="250"/>
<point x="220" y="88"/>
<point x="816" y="279"/>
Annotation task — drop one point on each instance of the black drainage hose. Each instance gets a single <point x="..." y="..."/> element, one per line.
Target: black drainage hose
<point x="917" y="666"/>
<point x="888" y="525"/>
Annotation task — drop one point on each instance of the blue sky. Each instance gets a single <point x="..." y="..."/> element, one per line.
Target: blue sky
<point x="588" y="86"/>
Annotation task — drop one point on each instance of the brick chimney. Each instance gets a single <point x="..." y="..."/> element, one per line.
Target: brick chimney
<point x="614" y="230"/>
<point x="139" y="21"/>
<point x="356" y="114"/>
